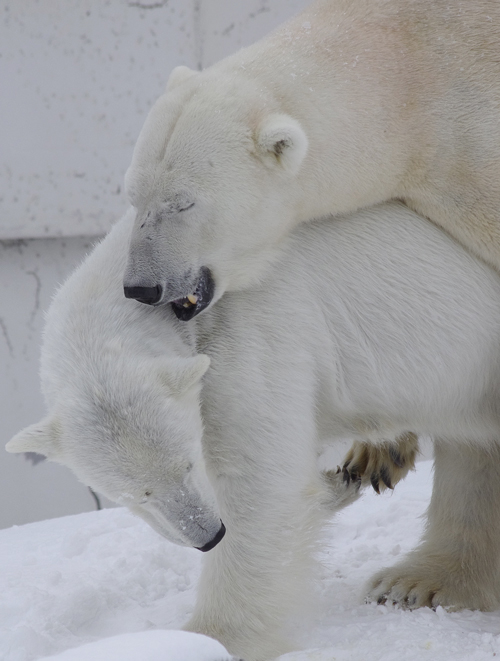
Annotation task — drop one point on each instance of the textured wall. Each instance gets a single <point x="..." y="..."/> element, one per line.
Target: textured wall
<point x="227" y="25"/>
<point x="77" y="79"/>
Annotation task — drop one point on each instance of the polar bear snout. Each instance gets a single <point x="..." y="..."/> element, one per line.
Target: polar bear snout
<point x="189" y="522"/>
<point x="188" y="296"/>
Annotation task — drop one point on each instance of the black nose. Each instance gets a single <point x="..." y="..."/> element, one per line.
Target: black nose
<point x="213" y="542"/>
<point x="148" y="295"/>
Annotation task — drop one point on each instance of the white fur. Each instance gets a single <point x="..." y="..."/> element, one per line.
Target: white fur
<point x="395" y="329"/>
<point x="101" y="420"/>
<point x="178" y="76"/>
<point x="362" y="100"/>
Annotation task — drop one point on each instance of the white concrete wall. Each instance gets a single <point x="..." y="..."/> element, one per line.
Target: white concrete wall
<point x="227" y="25"/>
<point x="77" y="78"/>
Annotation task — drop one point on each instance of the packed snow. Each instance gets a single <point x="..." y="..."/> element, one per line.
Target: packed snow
<point x="104" y="586"/>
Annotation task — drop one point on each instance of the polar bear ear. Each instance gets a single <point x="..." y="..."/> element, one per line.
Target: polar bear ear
<point x="178" y="76"/>
<point x="282" y="138"/>
<point x="42" y="438"/>
<point x="180" y="374"/>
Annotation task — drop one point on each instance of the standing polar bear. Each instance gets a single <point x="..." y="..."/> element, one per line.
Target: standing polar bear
<point x="307" y="358"/>
<point x="350" y="103"/>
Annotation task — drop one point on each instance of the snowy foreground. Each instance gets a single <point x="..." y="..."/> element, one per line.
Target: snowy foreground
<point x="104" y="583"/>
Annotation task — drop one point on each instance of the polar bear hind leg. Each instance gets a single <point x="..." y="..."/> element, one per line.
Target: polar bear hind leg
<point x="457" y="564"/>
<point x="382" y="464"/>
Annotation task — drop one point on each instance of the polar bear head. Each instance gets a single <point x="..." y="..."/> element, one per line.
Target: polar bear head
<point x="211" y="180"/>
<point x="133" y="433"/>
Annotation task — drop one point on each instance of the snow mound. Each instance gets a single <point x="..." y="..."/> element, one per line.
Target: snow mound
<point x="148" y="646"/>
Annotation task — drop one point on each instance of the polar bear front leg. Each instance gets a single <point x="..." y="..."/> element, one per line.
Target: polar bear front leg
<point x="256" y="577"/>
<point x="339" y="491"/>
<point x="271" y="500"/>
<point x="383" y="464"/>
<point x="457" y="564"/>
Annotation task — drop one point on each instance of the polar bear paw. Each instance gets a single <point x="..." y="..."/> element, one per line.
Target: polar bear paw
<point x="383" y="464"/>
<point x="340" y="492"/>
<point x="432" y="581"/>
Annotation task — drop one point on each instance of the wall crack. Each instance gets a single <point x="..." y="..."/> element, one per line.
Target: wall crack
<point x="36" y="307"/>
<point x="5" y="333"/>
<point x="148" y="5"/>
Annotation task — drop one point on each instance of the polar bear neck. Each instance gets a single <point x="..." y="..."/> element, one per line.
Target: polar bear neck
<point x="132" y="329"/>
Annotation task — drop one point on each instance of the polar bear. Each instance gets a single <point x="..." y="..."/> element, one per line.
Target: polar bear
<point x="308" y="357"/>
<point x="122" y="384"/>
<point x="350" y="103"/>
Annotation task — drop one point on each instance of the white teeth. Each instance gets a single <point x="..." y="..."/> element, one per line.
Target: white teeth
<point x="192" y="299"/>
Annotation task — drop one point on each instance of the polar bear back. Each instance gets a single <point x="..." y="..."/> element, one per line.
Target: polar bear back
<point x="400" y="322"/>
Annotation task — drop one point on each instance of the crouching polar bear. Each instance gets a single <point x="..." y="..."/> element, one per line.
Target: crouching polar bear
<point x="395" y="329"/>
<point x="349" y="104"/>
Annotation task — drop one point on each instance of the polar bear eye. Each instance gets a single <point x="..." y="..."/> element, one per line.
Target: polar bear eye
<point x="145" y="498"/>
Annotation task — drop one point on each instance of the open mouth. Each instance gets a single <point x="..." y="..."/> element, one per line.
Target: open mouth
<point x="189" y="306"/>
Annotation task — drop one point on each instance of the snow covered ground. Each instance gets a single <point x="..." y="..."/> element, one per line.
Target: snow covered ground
<point x="77" y="581"/>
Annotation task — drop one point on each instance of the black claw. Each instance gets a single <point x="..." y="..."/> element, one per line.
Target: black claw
<point x="375" y="482"/>
<point x="347" y="477"/>
<point x="410" y="602"/>
<point x="396" y="457"/>
<point x="382" y="599"/>
<point x="385" y="477"/>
